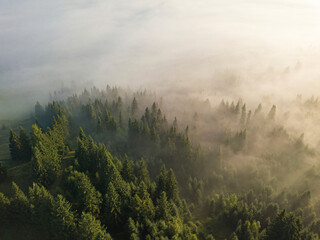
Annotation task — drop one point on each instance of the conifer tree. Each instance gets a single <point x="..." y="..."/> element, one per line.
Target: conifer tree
<point x="284" y="227"/>
<point x="42" y="200"/>
<point x="89" y="228"/>
<point x="243" y="115"/>
<point x="162" y="181"/>
<point x="19" y="205"/>
<point x="36" y="135"/>
<point x="163" y="208"/>
<point x="15" y="146"/>
<point x="63" y="219"/>
<point x="85" y="196"/>
<point x="112" y="206"/>
<point x="110" y="122"/>
<point x="4" y="208"/>
<point x="142" y="204"/>
<point x="26" y="150"/>
<point x="127" y="170"/>
<point x="134" y="107"/>
<point x="172" y="187"/>
<point x="142" y="172"/>
<point x="133" y="230"/>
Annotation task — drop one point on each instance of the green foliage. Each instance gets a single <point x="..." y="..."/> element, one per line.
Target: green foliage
<point x="63" y="220"/>
<point x="112" y="206"/>
<point x="163" y="208"/>
<point x="142" y="172"/>
<point x="127" y="170"/>
<point x="89" y="228"/>
<point x="284" y="227"/>
<point x="4" y="207"/>
<point x="84" y="195"/>
<point x="133" y="230"/>
<point x="224" y="187"/>
<point x="134" y="107"/>
<point x="48" y="150"/>
<point x="20" y="208"/>
<point x="110" y="122"/>
<point x="42" y="204"/>
<point x="26" y="151"/>
<point x="15" y="146"/>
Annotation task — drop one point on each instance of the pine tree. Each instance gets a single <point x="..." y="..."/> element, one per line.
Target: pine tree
<point x="89" y="228"/>
<point x="127" y="170"/>
<point x="162" y="181"/>
<point x="20" y="208"/>
<point x="85" y="196"/>
<point x="42" y="200"/>
<point x="172" y="187"/>
<point x="284" y="227"/>
<point x="163" y="209"/>
<point x="112" y="206"/>
<point x="63" y="219"/>
<point x="36" y="135"/>
<point x="243" y="115"/>
<point x="147" y="210"/>
<point x="110" y="122"/>
<point x="4" y="208"/>
<point x="134" y="107"/>
<point x="26" y="150"/>
<point x="82" y="135"/>
<point x="142" y="172"/>
<point x="133" y="230"/>
<point x="15" y="146"/>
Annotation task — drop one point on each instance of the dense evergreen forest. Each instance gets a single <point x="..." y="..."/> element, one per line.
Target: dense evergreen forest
<point x="117" y="164"/>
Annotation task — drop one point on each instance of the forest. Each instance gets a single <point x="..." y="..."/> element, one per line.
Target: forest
<point x="120" y="164"/>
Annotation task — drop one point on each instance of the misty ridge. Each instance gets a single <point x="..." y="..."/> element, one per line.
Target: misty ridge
<point x="160" y="119"/>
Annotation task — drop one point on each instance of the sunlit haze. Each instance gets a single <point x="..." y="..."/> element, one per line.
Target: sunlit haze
<point x="159" y="45"/>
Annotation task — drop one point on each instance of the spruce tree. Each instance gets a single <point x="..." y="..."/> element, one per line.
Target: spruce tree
<point x="15" y="146"/>
<point x="20" y="208"/>
<point x="133" y="230"/>
<point x="163" y="208"/>
<point x="134" y="107"/>
<point x="284" y="227"/>
<point x="63" y="219"/>
<point x="86" y="197"/>
<point x="172" y="187"/>
<point x="89" y="228"/>
<point x="42" y="202"/>
<point x="26" y="150"/>
<point x="127" y="170"/>
<point x="142" y="172"/>
<point x="112" y="206"/>
<point x="4" y="208"/>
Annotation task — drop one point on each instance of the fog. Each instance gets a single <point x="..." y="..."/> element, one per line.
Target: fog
<point x="210" y="48"/>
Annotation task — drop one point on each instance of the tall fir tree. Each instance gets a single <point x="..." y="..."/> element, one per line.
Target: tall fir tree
<point x="15" y="146"/>
<point x="26" y="151"/>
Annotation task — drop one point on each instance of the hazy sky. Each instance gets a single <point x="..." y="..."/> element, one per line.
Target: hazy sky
<point x="156" y="44"/>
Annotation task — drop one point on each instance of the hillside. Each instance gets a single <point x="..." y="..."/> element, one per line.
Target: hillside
<point x="116" y="164"/>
